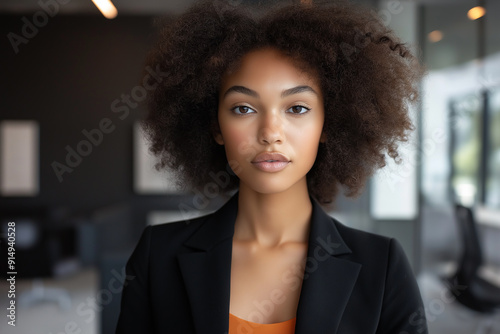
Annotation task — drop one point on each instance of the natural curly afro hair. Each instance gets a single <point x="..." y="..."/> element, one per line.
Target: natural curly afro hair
<point x="367" y="76"/>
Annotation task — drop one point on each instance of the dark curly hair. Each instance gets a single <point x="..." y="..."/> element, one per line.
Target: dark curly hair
<point x="367" y="76"/>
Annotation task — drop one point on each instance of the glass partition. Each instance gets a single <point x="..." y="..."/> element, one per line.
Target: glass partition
<point x="493" y="167"/>
<point x="465" y="125"/>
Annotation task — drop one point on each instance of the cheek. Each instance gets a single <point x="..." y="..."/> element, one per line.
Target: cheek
<point x="238" y="143"/>
<point x="308" y="148"/>
<point x="305" y="140"/>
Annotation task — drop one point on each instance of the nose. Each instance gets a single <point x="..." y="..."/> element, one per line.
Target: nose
<point x="271" y="129"/>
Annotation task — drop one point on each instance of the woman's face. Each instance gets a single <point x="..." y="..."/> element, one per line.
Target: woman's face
<point x="271" y="119"/>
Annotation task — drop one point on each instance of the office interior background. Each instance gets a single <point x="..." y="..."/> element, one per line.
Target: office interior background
<point x="77" y="179"/>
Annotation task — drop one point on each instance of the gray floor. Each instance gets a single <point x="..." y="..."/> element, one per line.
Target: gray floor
<point x="444" y="315"/>
<point x="441" y="252"/>
<point x="49" y="317"/>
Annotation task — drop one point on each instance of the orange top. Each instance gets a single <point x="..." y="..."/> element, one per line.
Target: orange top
<point x="242" y="326"/>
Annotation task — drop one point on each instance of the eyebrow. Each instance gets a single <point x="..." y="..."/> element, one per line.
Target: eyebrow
<point x="285" y="93"/>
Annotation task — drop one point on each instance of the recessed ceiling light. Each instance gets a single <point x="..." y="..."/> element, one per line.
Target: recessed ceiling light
<point x="476" y="12"/>
<point x="435" y="36"/>
<point x="106" y="7"/>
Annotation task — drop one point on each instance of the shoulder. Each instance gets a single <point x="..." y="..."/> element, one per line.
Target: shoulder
<point x="373" y="249"/>
<point x="157" y="239"/>
<point x="379" y="255"/>
<point x="362" y="241"/>
<point x="387" y="276"/>
<point x="173" y="234"/>
<point x="179" y="226"/>
<point x="353" y="234"/>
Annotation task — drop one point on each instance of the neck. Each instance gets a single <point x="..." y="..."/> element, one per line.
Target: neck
<point x="272" y="220"/>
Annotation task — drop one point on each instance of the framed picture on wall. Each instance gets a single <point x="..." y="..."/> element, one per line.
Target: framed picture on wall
<point x="19" y="158"/>
<point x="147" y="180"/>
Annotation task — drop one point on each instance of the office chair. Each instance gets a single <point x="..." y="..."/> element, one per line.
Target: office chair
<point x="476" y="293"/>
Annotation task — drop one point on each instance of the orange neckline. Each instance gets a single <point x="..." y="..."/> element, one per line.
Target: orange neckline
<point x="258" y="324"/>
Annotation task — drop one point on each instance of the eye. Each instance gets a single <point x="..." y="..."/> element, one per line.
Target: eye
<point x="298" y="109"/>
<point x="242" y="110"/>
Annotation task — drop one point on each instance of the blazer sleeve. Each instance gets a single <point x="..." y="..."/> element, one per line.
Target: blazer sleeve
<point x="402" y="309"/>
<point x="135" y="306"/>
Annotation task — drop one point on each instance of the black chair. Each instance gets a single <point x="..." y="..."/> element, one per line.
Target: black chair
<point x="475" y="292"/>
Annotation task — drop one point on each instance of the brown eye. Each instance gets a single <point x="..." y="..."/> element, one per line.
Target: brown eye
<point x="299" y="110"/>
<point x="242" y="110"/>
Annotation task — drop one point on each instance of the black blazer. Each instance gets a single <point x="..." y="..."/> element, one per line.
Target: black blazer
<point x="178" y="280"/>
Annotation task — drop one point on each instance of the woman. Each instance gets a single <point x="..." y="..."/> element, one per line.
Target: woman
<point x="285" y="107"/>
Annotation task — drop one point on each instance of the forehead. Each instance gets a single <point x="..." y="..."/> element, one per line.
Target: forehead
<point x="269" y="63"/>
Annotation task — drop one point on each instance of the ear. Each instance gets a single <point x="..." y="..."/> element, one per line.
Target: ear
<point x="322" y="139"/>
<point x="217" y="134"/>
<point x="218" y="138"/>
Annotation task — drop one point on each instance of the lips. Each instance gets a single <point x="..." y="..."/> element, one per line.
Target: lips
<point x="270" y="157"/>
<point x="270" y="162"/>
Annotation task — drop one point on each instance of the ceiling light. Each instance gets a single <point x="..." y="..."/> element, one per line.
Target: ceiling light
<point x="476" y="12"/>
<point x="435" y="36"/>
<point x="106" y="7"/>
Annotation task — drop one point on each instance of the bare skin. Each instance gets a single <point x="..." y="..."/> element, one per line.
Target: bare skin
<point x="265" y="283"/>
<point x="274" y="209"/>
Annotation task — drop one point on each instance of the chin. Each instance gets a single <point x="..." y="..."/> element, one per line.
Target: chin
<point x="269" y="187"/>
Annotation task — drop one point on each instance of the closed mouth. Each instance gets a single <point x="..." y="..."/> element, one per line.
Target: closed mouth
<point x="270" y="157"/>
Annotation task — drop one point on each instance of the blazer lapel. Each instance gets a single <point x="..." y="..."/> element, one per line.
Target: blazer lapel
<point x="327" y="283"/>
<point x="206" y="269"/>
<point x="328" y="280"/>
